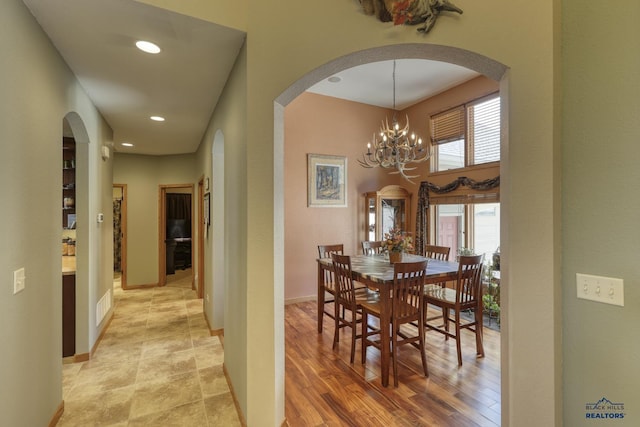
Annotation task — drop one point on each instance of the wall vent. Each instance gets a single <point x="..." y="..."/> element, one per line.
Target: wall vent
<point x="103" y="307"/>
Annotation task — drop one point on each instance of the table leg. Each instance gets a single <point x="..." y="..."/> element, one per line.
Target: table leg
<point x="320" y="296"/>
<point x="479" y="329"/>
<point x="385" y="321"/>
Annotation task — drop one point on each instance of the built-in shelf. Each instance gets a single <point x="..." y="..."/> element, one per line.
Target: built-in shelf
<point x="68" y="196"/>
<point x="68" y="181"/>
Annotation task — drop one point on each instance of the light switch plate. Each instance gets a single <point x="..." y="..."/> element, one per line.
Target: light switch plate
<point x="18" y="281"/>
<point x="607" y="290"/>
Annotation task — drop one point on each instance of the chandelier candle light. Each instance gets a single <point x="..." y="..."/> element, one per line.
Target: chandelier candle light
<point x="395" y="148"/>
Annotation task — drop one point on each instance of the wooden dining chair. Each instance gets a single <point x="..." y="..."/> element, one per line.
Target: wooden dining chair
<point x="407" y="305"/>
<point x="371" y="247"/>
<point x="466" y="296"/>
<point x="437" y="252"/>
<point x="440" y="253"/>
<point x="328" y="281"/>
<point x="349" y="300"/>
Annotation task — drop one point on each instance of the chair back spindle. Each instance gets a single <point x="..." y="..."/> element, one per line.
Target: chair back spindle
<point x="437" y="252"/>
<point x="371" y="247"/>
<point x="345" y="291"/>
<point x="469" y="279"/>
<point x="408" y="290"/>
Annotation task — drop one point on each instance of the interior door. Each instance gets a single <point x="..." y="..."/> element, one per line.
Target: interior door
<point x="120" y="232"/>
<point x="448" y="232"/>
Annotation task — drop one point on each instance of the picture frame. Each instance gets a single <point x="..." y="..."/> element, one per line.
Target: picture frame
<point x="327" y="181"/>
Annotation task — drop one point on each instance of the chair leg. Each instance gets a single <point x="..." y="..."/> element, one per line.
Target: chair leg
<point x="458" y="348"/>
<point x="336" y="332"/>
<point x="365" y="330"/>
<point x="423" y="349"/>
<point x="445" y="318"/>
<point x="478" y="328"/>
<point x="354" y="325"/>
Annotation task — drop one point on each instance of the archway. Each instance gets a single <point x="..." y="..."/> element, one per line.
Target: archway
<point x="470" y="60"/>
<point x="74" y="127"/>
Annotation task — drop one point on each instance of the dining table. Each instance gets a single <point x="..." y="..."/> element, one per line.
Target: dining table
<point x="376" y="272"/>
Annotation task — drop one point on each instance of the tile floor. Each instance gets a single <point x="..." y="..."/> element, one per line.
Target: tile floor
<point x="157" y="365"/>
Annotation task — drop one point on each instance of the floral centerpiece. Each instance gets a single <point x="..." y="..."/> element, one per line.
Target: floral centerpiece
<point x="395" y="243"/>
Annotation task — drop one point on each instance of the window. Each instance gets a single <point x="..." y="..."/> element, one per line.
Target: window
<point x="467" y="135"/>
<point x="475" y="226"/>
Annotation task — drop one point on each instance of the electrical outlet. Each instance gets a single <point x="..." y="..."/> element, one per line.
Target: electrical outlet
<point x="607" y="290"/>
<point x="18" y="281"/>
<point x="207" y="297"/>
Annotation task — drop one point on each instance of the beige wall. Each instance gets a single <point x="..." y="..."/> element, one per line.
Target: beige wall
<point x="601" y="202"/>
<point x="37" y="92"/>
<point x="228" y="131"/>
<point x="323" y="125"/>
<point x="143" y="176"/>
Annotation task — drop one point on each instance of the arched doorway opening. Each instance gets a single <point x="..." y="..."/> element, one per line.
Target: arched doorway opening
<point x="470" y="60"/>
<point x="73" y="129"/>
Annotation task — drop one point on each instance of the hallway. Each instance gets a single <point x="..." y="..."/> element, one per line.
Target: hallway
<point x="156" y="365"/>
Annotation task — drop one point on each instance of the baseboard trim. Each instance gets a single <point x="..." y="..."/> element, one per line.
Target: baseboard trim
<point x="82" y="357"/>
<point x="300" y="299"/>
<point x="57" y="415"/>
<point x="104" y="330"/>
<point x="233" y="396"/>
<point x="213" y="332"/>
<point x="85" y="357"/>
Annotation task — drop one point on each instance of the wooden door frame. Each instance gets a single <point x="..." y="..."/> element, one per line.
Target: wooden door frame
<point x="201" y="191"/>
<point x="162" y="229"/>
<point x="123" y="231"/>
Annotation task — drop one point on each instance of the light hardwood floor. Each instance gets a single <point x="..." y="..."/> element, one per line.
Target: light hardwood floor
<point x="323" y="389"/>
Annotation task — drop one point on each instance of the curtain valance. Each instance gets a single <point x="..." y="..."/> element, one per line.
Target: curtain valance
<point x="422" y="225"/>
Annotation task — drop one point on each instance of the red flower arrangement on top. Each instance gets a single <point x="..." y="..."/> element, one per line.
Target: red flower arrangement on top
<point x="397" y="241"/>
<point x="401" y="12"/>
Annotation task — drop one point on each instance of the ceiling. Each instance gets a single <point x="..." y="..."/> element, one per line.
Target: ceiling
<point x="97" y="39"/>
<point x="416" y="80"/>
<point x="182" y="83"/>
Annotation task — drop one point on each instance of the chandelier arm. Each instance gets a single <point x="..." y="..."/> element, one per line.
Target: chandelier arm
<point x="365" y="163"/>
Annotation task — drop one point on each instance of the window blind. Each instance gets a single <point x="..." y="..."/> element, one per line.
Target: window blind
<point x="448" y="126"/>
<point x="484" y="130"/>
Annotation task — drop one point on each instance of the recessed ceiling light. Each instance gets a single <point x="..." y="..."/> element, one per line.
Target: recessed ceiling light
<point x="127" y="144"/>
<point x="157" y="118"/>
<point x="148" y="47"/>
<point x="334" y="79"/>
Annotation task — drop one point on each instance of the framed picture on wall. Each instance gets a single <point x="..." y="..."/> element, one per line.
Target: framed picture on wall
<point x="327" y="181"/>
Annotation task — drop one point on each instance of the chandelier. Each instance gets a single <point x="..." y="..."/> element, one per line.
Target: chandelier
<point x="394" y="147"/>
